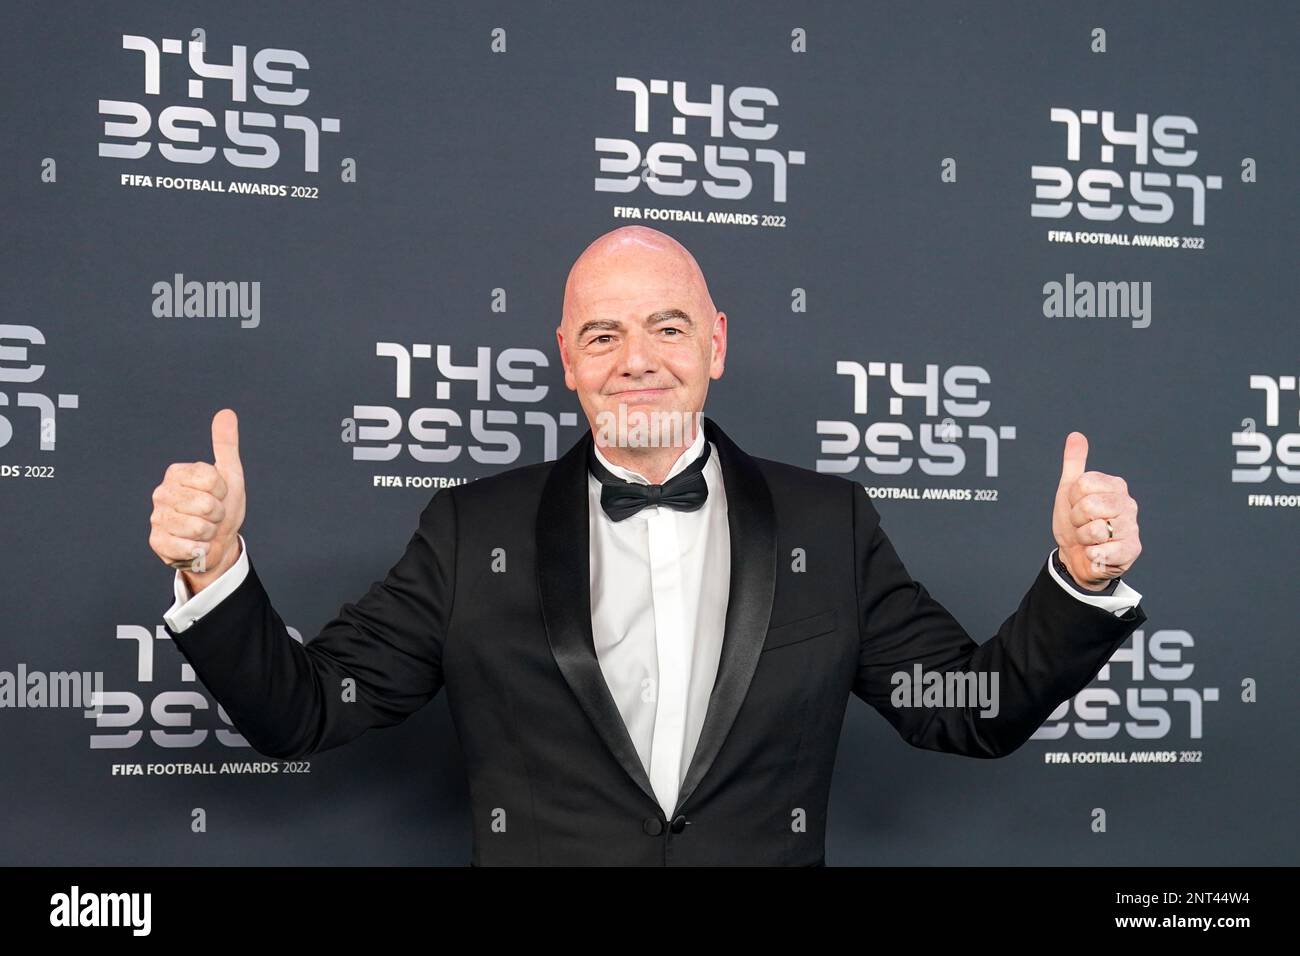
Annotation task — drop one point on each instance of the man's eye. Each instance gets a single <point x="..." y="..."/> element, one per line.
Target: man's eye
<point x="672" y="330"/>
<point x="599" y="337"/>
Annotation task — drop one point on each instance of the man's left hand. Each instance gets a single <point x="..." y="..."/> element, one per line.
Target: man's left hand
<point x="1085" y="502"/>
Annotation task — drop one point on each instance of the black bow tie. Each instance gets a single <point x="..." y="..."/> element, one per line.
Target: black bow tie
<point x="621" y="499"/>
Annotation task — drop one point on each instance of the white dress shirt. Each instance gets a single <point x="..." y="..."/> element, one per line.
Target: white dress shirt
<point x="660" y="583"/>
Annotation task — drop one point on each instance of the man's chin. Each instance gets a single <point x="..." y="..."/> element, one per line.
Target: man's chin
<point x="641" y="424"/>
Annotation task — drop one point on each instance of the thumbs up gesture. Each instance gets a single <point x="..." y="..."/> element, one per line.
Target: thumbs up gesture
<point x="1094" y="520"/>
<point x="199" y="508"/>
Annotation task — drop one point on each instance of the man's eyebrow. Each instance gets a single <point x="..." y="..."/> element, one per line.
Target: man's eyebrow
<point x="668" y="315"/>
<point x="654" y="318"/>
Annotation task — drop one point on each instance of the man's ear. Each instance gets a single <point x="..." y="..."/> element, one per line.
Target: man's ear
<point x="718" y="360"/>
<point x="569" y="381"/>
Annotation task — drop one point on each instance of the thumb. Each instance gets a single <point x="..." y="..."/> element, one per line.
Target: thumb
<point x="1075" y="460"/>
<point x="225" y="442"/>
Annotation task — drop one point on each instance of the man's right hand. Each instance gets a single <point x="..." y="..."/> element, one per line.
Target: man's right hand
<point x="199" y="508"/>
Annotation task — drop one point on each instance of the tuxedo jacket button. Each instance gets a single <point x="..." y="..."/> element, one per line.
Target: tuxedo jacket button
<point x="653" y="826"/>
<point x="679" y="824"/>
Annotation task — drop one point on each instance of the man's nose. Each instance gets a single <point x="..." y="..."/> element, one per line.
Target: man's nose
<point x="638" y="354"/>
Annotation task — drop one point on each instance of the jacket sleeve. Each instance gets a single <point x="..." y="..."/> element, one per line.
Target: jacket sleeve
<point x="1048" y="650"/>
<point x="375" y="663"/>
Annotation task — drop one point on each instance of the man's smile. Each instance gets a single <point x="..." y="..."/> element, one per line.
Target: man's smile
<point x="642" y="393"/>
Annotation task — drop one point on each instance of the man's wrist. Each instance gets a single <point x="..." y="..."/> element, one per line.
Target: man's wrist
<point x="1105" y="591"/>
<point x="197" y="582"/>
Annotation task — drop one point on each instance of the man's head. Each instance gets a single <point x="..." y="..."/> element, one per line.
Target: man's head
<point x="639" y="327"/>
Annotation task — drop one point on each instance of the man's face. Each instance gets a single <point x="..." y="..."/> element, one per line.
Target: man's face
<point x="639" y="330"/>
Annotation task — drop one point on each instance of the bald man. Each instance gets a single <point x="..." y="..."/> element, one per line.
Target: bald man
<point x="659" y="673"/>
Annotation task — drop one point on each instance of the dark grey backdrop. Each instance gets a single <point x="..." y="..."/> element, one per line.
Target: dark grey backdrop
<point x="475" y="172"/>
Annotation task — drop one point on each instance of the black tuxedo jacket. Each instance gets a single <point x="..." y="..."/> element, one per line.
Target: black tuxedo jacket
<point x="553" y="774"/>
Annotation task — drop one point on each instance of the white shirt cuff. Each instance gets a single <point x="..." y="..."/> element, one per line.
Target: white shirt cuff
<point x="1117" y="603"/>
<point x="188" y="608"/>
